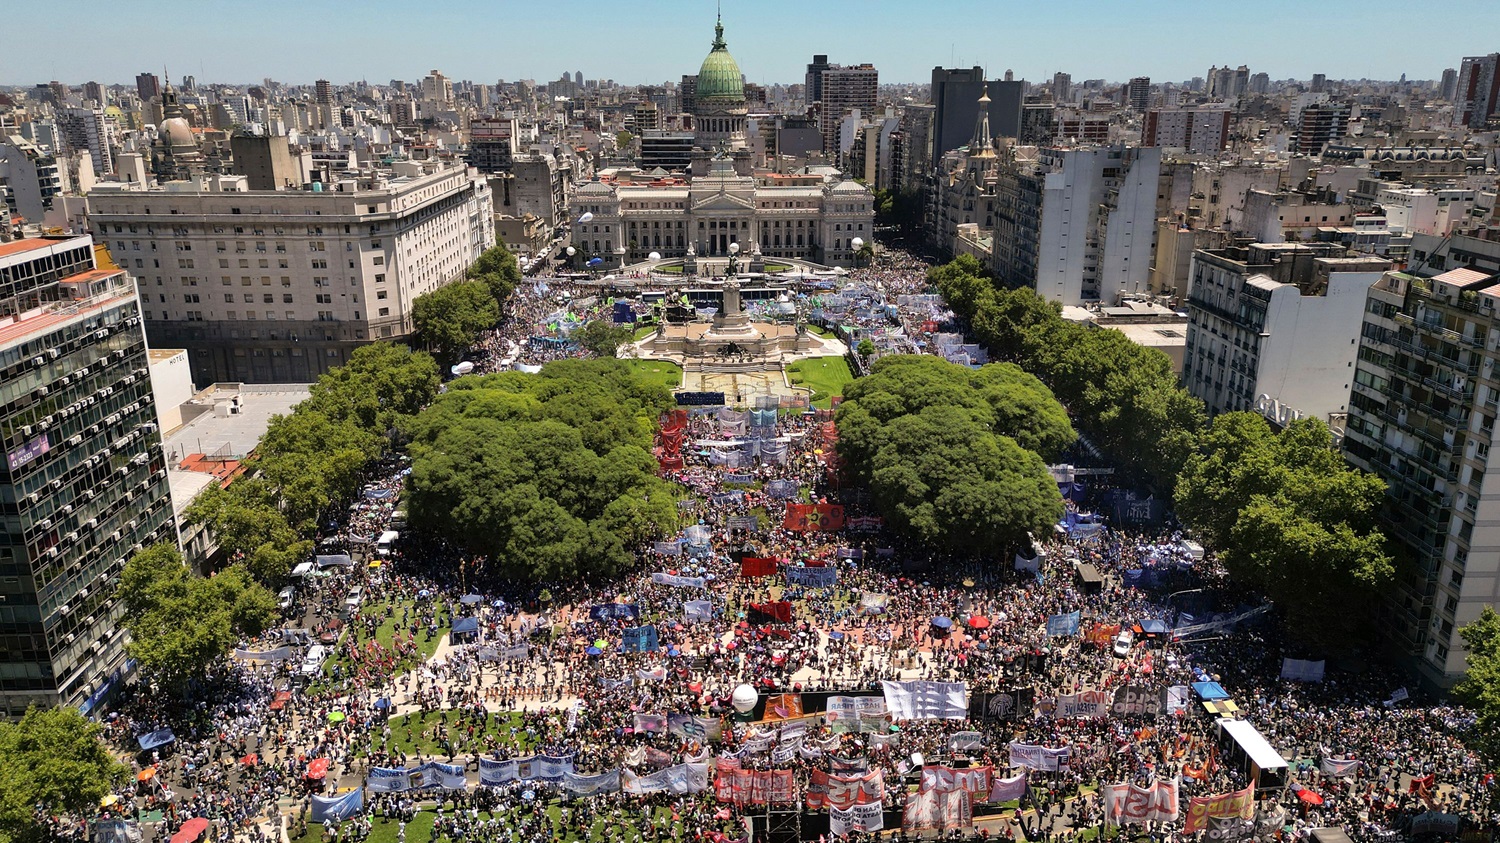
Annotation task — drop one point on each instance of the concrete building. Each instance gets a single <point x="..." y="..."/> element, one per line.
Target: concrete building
<point x="1138" y="93"/>
<point x="1318" y="125"/>
<point x="1172" y="261"/>
<point x="492" y="144"/>
<point x="1477" y="95"/>
<point x="1203" y="129"/>
<point x="1283" y="216"/>
<point x="29" y="179"/>
<point x="84" y="130"/>
<point x="812" y="87"/>
<point x="266" y="162"/>
<point x="1272" y="328"/>
<point x="147" y="86"/>
<point x="85" y="480"/>
<point x="1077" y="225"/>
<point x="1422" y="417"/>
<point x="280" y="286"/>
<point x="813" y="218"/>
<point x="670" y="151"/>
<point x="955" y="96"/>
<point x="845" y="89"/>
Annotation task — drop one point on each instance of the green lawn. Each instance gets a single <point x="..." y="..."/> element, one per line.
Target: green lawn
<point x="826" y="376"/>
<point x="821" y="331"/>
<point x="407" y="734"/>
<point x="778" y="267"/>
<point x="644" y="331"/>
<point x="669" y="269"/>
<point x="667" y="374"/>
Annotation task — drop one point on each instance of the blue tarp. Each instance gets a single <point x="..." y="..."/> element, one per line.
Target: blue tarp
<point x="344" y="807"/>
<point x="1151" y="626"/>
<point x="1210" y="691"/>
<point x="160" y="737"/>
<point x="465" y="625"/>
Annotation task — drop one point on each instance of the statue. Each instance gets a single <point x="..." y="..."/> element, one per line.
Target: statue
<point x="734" y="265"/>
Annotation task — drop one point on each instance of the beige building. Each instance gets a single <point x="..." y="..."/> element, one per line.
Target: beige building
<point x="281" y="286"/>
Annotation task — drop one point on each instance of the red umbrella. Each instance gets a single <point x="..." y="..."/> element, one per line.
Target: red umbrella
<point x="1309" y="797"/>
<point x="318" y="768"/>
<point x="250" y="760"/>
<point x="979" y="622"/>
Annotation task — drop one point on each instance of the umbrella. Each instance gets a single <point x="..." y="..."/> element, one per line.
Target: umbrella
<point x="337" y="717"/>
<point x="375" y="563"/>
<point x="108" y="800"/>
<point x="968" y="583"/>
<point x="942" y="622"/>
<point x="250" y="760"/>
<point x="145" y="775"/>
<point x="979" y="622"/>
<point x="318" y="768"/>
<point x="600" y="643"/>
<point x="594" y="651"/>
<point x="1309" y="797"/>
<point x="383" y="703"/>
<point x="836" y="636"/>
<point x="423" y="593"/>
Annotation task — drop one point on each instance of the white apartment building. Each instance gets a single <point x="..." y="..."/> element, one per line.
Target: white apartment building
<point x="280" y="286"/>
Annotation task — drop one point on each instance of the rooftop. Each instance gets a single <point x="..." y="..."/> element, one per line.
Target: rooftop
<point x="218" y="432"/>
<point x="16" y="247"/>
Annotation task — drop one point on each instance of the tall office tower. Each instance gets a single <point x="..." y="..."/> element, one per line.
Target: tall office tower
<point x="323" y="92"/>
<point x="812" y="87"/>
<point x="84" y="130"/>
<point x="1260" y="83"/>
<point x="955" y="95"/>
<point x="845" y="89"/>
<point x="279" y="286"/>
<point x="1138" y="93"/>
<point x="437" y="89"/>
<point x="85" y="483"/>
<point x="1478" y="88"/>
<point x="190" y="84"/>
<point x="1227" y="83"/>
<point x="1448" y="88"/>
<point x="93" y="92"/>
<point x="578" y="78"/>
<point x="1319" y="83"/>
<point x="1062" y="87"/>
<point x="147" y="86"/>
<point x="688" y="94"/>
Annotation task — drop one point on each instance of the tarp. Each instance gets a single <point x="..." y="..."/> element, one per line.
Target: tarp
<point x="757" y="566"/>
<point x="342" y="807"/>
<point x="1210" y="691"/>
<point x="1064" y="624"/>
<point x="152" y="740"/>
<point x="190" y="830"/>
<point x="697" y="610"/>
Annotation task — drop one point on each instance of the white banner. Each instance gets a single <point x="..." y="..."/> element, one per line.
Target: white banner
<point x="1340" y="766"/>
<point x="681" y="779"/>
<point x="864" y="818"/>
<point x="697" y="610"/>
<point x="677" y="582"/>
<point x="1039" y="757"/>
<point x="1128" y="804"/>
<point x="924" y="700"/>
<point x="1005" y="790"/>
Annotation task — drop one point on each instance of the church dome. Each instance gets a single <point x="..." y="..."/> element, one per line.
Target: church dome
<point x="176" y="133"/>
<point x="719" y="78"/>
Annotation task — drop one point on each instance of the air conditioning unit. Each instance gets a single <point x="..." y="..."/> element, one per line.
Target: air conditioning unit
<point x="120" y="354"/>
<point x="92" y="523"/>
<point x="52" y="353"/>
<point x="44" y="523"/>
<point x="37" y="361"/>
<point x="70" y="637"/>
<point x="67" y="509"/>
<point x="42" y="390"/>
<point x="26" y="430"/>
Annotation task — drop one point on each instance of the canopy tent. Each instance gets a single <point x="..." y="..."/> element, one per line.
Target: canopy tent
<point x="471" y="599"/>
<point x="318" y="768"/>
<point x="1210" y="691"/>
<point x="1152" y="626"/>
<point x="335" y="560"/>
<point x="465" y="625"/>
<point x="191" y="830"/>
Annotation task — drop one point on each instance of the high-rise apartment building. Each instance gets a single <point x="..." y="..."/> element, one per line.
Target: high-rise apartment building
<point x="84" y="130"/>
<point x="323" y="92"/>
<point x="279" y="286"/>
<point x="1201" y="129"/>
<point x="1478" y="90"/>
<point x="1448" y="87"/>
<point x="1227" y="83"/>
<point x="85" y="482"/>
<point x="1062" y="87"/>
<point x="93" y="93"/>
<point x="845" y="89"/>
<point x="1138" y="93"/>
<point x="812" y="87"/>
<point x="29" y="178"/>
<point x="955" y="95"/>
<point x="437" y="89"/>
<point x="492" y="143"/>
<point x="1319" y="83"/>
<point x="1422" y="417"/>
<point x="1318" y="125"/>
<point x="147" y="86"/>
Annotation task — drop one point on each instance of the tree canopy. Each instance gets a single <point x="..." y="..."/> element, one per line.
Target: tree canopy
<point x="1125" y="397"/>
<point x="951" y="454"/>
<point x="1291" y="519"/>
<point x="450" y="319"/>
<point x="180" y="623"/>
<point x="498" y="270"/>
<point x="1480" y="688"/>
<point x="550" y="476"/>
<point x="602" y="338"/>
<point x="55" y="764"/>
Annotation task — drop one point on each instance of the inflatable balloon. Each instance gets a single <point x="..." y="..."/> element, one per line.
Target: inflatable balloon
<point x="588" y="215"/>
<point x="744" y="698"/>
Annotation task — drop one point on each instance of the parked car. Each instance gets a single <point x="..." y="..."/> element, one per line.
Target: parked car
<point x="1123" y="642"/>
<point x="331" y="630"/>
<point x="286" y="598"/>
<point x="313" y="663"/>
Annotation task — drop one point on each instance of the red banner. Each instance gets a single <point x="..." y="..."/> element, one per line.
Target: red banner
<point x="674" y="420"/>
<point x="777" y="612"/>
<point x="671" y="440"/>
<point x="671" y="463"/>
<point x="783" y="706"/>
<point x="808" y="517"/>
<point x="827" y="790"/>
<point x="1102" y="634"/>
<point x="733" y="783"/>
<point x="758" y="566"/>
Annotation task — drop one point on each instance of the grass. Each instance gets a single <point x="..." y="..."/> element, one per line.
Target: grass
<point x="419" y="830"/>
<point x="644" y="331"/>
<point x="407" y="737"/>
<point x="669" y="269"/>
<point x="825" y="376"/>
<point x="667" y="374"/>
<point x="821" y="331"/>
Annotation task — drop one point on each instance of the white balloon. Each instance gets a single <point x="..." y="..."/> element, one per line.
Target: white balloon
<point x="656" y="256"/>
<point x="588" y="215"/>
<point x="744" y="698"/>
<point x="857" y="242"/>
<point x="572" y="251"/>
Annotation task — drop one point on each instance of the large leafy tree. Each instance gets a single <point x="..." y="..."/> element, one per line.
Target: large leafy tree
<point x="498" y="270"/>
<point x="450" y="319"/>
<point x="1291" y="519"/>
<point x="949" y="453"/>
<point x="180" y="623"/>
<point x="381" y="386"/>
<point x="602" y="338"/>
<point x="548" y="476"/>
<point x="55" y="765"/>
<point x="249" y="528"/>
<point x="1480" y="688"/>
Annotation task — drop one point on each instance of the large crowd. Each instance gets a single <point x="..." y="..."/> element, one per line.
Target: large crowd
<point x="548" y="672"/>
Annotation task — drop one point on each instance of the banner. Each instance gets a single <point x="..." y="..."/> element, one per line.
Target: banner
<point x="279" y="654"/>
<point x="778" y="612"/>
<point x="673" y="548"/>
<point x="342" y="807"/>
<point x="739" y="786"/>
<point x="861" y="818"/>
<point x="650" y="723"/>
<point x="494" y="772"/>
<point x="1340" y="766"/>
<point x="152" y="740"/>
<point x="1065" y="624"/>
<point x="639" y="639"/>
<point x="931" y="810"/>
<point x="1001" y="706"/>
<point x="812" y="577"/>
<point x="697" y="728"/>
<point x="871" y="603"/>
<point x="742" y="522"/>
<point x="924" y="700"/>
<point x="964" y="741"/>
<point x="843" y="791"/>
<point x="1129" y="804"/>
<point x="432" y="774"/>
<point x="976" y="780"/>
<point x="1229" y="829"/>
<point x="807" y="517"/>
<point x="1035" y="757"/>
<point x="1102" y="634"/>
<point x="1137" y="700"/>
<point x="757" y="566"/>
<point x="678" y="780"/>
<point x="1240" y="803"/>
<point x="1302" y="670"/>
<point x="697" y="610"/>
<point x="1178" y="698"/>
<point x="1084" y="704"/>
<point x="674" y="581"/>
<point x="782" y="490"/>
<point x="1004" y="790"/>
<point x="612" y="611"/>
<point x="394" y="779"/>
<point x="856" y="714"/>
<point x="866" y="523"/>
<point x="783" y="707"/>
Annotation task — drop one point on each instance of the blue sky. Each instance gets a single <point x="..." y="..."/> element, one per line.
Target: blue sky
<point x="298" y="41"/>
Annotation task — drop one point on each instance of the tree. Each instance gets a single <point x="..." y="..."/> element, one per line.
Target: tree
<point x="1480" y="687"/>
<point x="950" y="454"/>
<point x="865" y="348"/>
<point x="450" y="319"/>
<point x="1291" y="519"/>
<point x="603" y="339"/>
<point x="55" y="765"/>
<point x="381" y="386"/>
<point x="622" y="140"/>
<point x="248" y="528"/>
<point x="180" y="623"/>
<point x="549" y="476"/>
<point x="497" y="268"/>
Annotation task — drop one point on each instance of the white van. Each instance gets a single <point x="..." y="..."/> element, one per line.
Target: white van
<point x="386" y="540"/>
<point x="312" y="664"/>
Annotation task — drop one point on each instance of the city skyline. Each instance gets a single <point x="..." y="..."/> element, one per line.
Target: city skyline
<point x="1169" y="41"/>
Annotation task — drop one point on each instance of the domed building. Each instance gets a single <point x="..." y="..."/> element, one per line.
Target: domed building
<point x="719" y="99"/>
<point x="176" y="155"/>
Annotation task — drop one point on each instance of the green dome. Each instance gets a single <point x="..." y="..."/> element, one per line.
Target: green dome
<point x="719" y="77"/>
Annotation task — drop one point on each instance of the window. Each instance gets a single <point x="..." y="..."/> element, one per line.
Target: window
<point x="379" y="261"/>
<point x="380" y="278"/>
<point x="380" y="294"/>
<point x="268" y="298"/>
<point x="385" y="311"/>
<point x="229" y="298"/>
<point x="291" y="315"/>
